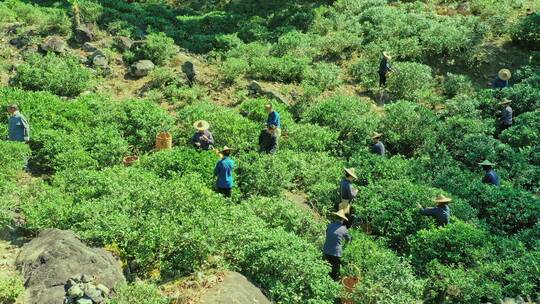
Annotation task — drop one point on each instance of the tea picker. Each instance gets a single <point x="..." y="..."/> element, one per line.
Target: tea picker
<point x="501" y="80"/>
<point x="441" y="213"/>
<point x="224" y="173"/>
<point x="202" y="138"/>
<point x="273" y="118"/>
<point x="490" y="176"/>
<point x="18" y="126"/>
<point x="268" y="140"/>
<point x="347" y="195"/>
<point x="384" y="68"/>
<point x="336" y="234"/>
<point x="506" y="120"/>
<point x="378" y="146"/>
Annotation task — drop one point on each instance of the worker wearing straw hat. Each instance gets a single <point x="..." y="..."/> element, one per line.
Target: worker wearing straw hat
<point x="378" y="146"/>
<point x="347" y="195"/>
<point x="441" y="213"/>
<point x="501" y="81"/>
<point x="224" y="173"/>
<point x="506" y="113"/>
<point x="273" y="118"/>
<point x="336" y="234"/>
<point x="18" y="127"/>
<point x="268" y="140"/>
<point x="384" y="68"/>
<point x="490" y="177"/>
<point x="202" y="139"/>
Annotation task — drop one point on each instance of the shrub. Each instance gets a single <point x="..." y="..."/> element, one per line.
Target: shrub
<point x="525" y="131"/>
<point x="324" y="76"/>
<point x="527" y="31"/>
<point x="138" y="293"/>
<point x="283" y="69"/>
<point x="59" y="75"/>
<point x="12" y="160"/>
<point x="10" y="288"/>
<point x="256" y="174"/>
<point x="158" y="47"/>
<point x="308" y="137"/>
<point x="407" y="127"/>
<point x="410" y="81"/>
<point x="254" y="110"/>
<point x="378" y="269"/>
<point x="374" y="168"/>
<point x="46" y="20"/>
<point x="233" y="68"/>
<point x="455" y="84"/>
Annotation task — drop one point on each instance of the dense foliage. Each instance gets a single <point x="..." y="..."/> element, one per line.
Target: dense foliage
<point x="437" y="115"/>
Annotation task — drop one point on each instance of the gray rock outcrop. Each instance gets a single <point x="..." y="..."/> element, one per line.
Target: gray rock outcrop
<point x="54" y="44"/>
<point x="257" y="89"/>
<point x="142" y="68"/>
<point x="235" y="288"/>
<point x="55" y="257"/>
<point x="83" y="34"/>
<point x="123" y="43"/>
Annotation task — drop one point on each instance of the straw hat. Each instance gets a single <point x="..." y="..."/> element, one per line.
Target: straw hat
<point x="486" y="163"/>
<point x="351" y="172"/>
<point x="13" y="106"/>
<point x="505" y="101"/>
<point x="505" y="74"/>
<point x="376" y="135"/>
<point x="201" y="125"/>
<point x="225" y="149"/>
<point x="442" y="199"/>
<point x="340" y="214"/>
<point x="386" y="55"/>
<point x="345" y="206"/>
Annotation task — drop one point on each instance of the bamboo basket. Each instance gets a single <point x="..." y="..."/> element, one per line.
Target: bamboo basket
<point x="163" y="141"/>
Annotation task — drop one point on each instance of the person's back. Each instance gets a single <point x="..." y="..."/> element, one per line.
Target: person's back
<point x="440" y="213"/>
<point x="18" y="128"/>
<point x="378" y="148"/>
<point x="492" y="178"/>
<point x="224" y="171"/>
<point x="336" y="234"/>
<point x="203" y="140"/>
<point x="346" y="190"/>
<point x="506" y="116"/>
<point x="268" y="141"/>
<point x="499" y="83"/>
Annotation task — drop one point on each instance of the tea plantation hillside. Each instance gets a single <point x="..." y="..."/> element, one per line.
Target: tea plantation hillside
<point x="97" y="80"/>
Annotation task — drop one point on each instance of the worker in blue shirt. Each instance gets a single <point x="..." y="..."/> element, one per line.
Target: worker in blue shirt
<point x="441" y="213"/>
<point x="501" y="80"/>
<point x="490" y="176"/>
<point x="336" y="235"/>
<point x="378" y="146"/>
<point x="224" y="172"/>
<point x="273" y="118"/>
<point x="384" y="68"/>
<point x="18" y="127"/>
<point x="268" y="141"/>
<point x="202" y="139"/>
<point x="506" y="114"/>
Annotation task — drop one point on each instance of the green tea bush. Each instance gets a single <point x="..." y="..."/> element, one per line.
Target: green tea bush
<point x="365" y="71"/>
<point x="12" y="160"/>
<point x="233" y="68"/>
<point x="293" y="43"/>
<point x="59" y="75"/>
<point x="458" y="243"/>
<point x="407" y="127"/>
<point x="525" y="95"/>
<point x="254" y="110"/>
<point x="455" y="84"/>
<point x="138" y="293"/>
<point x="158" y="47"/>
<point x="354" y="118"/>
<point x="324" y="76"/>
<point x="181" y="161"/>
<point x="256" y="174"/>
<point x="373" y="168"/>
<point x="527" y="31"/>
<point x="411" y="81"/>
<point x="228" y="126"/>
<point x="307" y="137"/>
<point x="377" y="268"/>
<point x="46" y="20"/>
<point x="525" y="131"/>
<point x="284" y="69"/>
<point x="11" y="288"/>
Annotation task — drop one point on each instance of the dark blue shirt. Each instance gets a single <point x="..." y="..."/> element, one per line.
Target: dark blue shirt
<point x="346" y="189"/>
<point x="506" y="116"/>
<point x="274" y="119"/>
<point x="378" y="148"/>
<point x="18" y="128"/>
<point x="384" y="66"/>
<point x="440" y="213"/>
<point x="499" y="83"/>
<point x="492" y="178"/>
<point x="268" y="142"/>
<point x="224" y="172"/>
<point x="336" y="234"/>
<point x="204" y="144"/>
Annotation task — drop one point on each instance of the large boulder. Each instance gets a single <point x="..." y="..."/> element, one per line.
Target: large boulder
<point x="234" y="288"/>
<point x="54" y="44"/>
<point x="51" y="260"/>
<point x="189" y="70"/>
<point x="83" y="34"/>
<point x="142" y="68"/>
<point x="123" y="43"/>
<point x="257" y="89"/>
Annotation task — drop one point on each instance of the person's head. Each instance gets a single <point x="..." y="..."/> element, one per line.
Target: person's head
<point x="226" y="151"/>
<point x="386" y="55"/>
<point x="505" y="102"/>
<point x="339" y="216"/>
<point x="201" y="126"/>
<point x="271" y="128"/>
<point x="442" y="200"/>
<point x="487" y="165"/>
<point x="268" y="108"/>
<point x="350" y="174"/>
<point x="376" y="137"/>
<point x="504" y="74"/>
<point x="529" y="11"/>
<point x="12" y="108"/>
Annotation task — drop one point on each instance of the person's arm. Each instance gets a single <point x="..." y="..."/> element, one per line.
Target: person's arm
<point x="26" y="127"/>
<point x="217" y="168"/>
<point x="348" y="236"/>
<point x="428" y="211"/>
<point x="210" y="138"/>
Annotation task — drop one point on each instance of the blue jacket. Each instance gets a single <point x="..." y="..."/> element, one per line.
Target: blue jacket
<point x="384" y="66"/>
<point x="224" y="172"/>
<point x="506" y="116"/>
<point x="346" y="189"/>
<point x="441" y="214"/>
<point x="499" y="83"/>
<point x="18" y="128"/>
<point x="492" y="178"/>
<point x="378" y="148"/>
<point x="274" y="119"/>
<point x="336" y="233"/>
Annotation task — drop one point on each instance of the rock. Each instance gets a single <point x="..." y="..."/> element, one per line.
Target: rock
<point x="123" y="43"/>
<point x="88" y="47"/>
<point x="84" y="301"/>
<point x="83" y="34"/>
<point x="100" y="61"/>
<point x="86" y="278"/>
<point x="75" y="292"/>
<point x="54" y="44"/>
<point x="276" y="96"/>
<point x="55" y="256"/>
<point x="94" y="294"/>
<point x="189" y="70"/>
<point x="234" y="288"/>
<point x="20" y="41"/>
<point x="142" y="68"/>
<point x="103" y="289"/>
<point x="255" y="87"/>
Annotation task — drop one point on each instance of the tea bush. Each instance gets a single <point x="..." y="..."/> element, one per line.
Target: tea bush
<point x="158" y="47"/>
<point x="403" y="85"/>
<point x="284" y="69"/>
<point x="59" y="75"/>
<point x="138" y="293"/>
<point x="526" y="31"/>
<point x="257" y="172"/>
<point x="308" y="137"/>
<point x="324" y="76"/>
<point x="254" y="110"/>
<point x="10" y="288"/>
